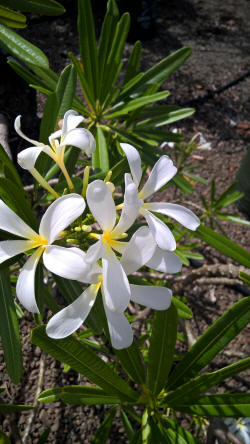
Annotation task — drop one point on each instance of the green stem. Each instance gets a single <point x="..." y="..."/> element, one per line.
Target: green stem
<point x="43" y="182"/>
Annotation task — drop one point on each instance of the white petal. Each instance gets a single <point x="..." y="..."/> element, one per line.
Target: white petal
<point x="101" y="204"/>
<point x="119" y="246"/>
<point x="162" y="234"/>
<point x="71" y="120"/>
<point x="60" y="214"/>
<point x="17" y="126"/>
<point x="165" y="261"/>
<point x="120" y="331"/>
<point x="70" y="263"/>
<point x="95" y="252"/>
<point x="115" y="284"/>
<point x="54" y="136"/>
<point x="27" y="158"/>
<point x="161" y="173"/>
<point x="11" y="222"/>
<point x="139" y="250"/>
<point x="81" y="138"/>
<point x="130" y="209"/>
<point x="158" y="298"/>
<point x="70" y="318"/>
<point x="11" y="248"/>
<point x="134" y="161"/>
<point x="25" y="287"/>
<point x="183" y="215"/>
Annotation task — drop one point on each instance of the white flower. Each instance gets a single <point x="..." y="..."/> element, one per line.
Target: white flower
<point x="135" y="255"/>
<point x="69" y="135"/>
<point x="162" y="172"/>
<point x="58" y="216"/>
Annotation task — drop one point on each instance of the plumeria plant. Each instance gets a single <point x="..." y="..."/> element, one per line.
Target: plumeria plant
<point x="94" y="232"/>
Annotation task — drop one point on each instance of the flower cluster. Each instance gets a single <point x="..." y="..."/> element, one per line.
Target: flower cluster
<point x="106" y="263"/>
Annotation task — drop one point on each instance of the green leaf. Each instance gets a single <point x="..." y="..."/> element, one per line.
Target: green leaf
<point x="181" y="435"/>
<point x="133" y="62"/>
<point x="234" y="219"/>
<point x="42" y="7"/>
<point x="14" y="197"/>
<point x="9" y="169"/>
<point x="102" y="149"/>
<point x="101" y="435"/>
<point x="132" y="362"/>
<point x="13" y="19"/>
<point x="195" y="178"/>
<point x="171" y="117"/>
<point x="223" y="244"/>
<point x="161" y="350"/>
<point x="132" y="105"/>
<point x="127" y="425"/>
<point x="43" y="438"/>
<point x="193" y="389"/>
<point x="78" y="395"/>
<point x="21" y="48"/>
<point x="185" y="186"/>
<point x="87" y="40"/>
<point x="114" y="60"/>
<point x="245" y="277"/>
<point x="234" y="405"/>
<point x="158" y="73"/>
<point x="84" y="361"/>
<point x="228" y="197"/>
<point x="211" y="342"/>
<point x="183" y="311"/>
<point x="65" y="90"/>
<point x="9" y="408"/>
<point x="4" y="439"/>
<point x="9" y="330"/>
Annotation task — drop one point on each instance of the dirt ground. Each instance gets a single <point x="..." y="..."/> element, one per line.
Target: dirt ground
<point x="219" y="35"/>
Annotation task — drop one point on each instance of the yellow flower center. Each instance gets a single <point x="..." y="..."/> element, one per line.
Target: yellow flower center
<point x="39" y="241"/>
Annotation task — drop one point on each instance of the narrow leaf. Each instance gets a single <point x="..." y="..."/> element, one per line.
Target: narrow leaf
<point x="78" y="395"/>
<point x="161" y="350"/>
<point x="101" y="435"/>
<point x="84" y="361"/>
<point x="9" y="330"/>
<point x="132" y="362"/>
<point x="211" y="342"/>
<point x="233" y="405"/>
<point x="223" y="244"/>
<point x="21" y="48"/>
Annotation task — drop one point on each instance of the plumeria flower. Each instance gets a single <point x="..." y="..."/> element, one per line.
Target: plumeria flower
<point x="162" y="172"/>
<point x="68" y="135"/>
<point x="135" y="255"/>
<point x="57" y="217"/>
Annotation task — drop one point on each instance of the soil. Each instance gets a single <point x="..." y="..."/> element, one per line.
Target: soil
<point x="219" y="35"/>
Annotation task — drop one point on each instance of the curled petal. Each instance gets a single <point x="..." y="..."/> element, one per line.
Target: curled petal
<point x="115" y="284"/>
<point x="11" y="222"/>
<point x="54" y="136"/>
<point x="70" y="263"/>
<point x="11" y="248"/>
<point x="130" y="209"/>
<point x="120" y="331"/>
<point x="165" y="261"/>
<point x="71" y="120"/>
<point x="70" y="318"/>
<point x="162" y="173"/>
<point x="183" y="215"/>
<point x="134" y="162"/>
<point x="162" y="234"/>
<point x="81" y="138"/>
<point x="158" y="298"/>
<point x="27" y="158"/>
<point x="101" y="204"/>
<point x="25" y="287"/>
<point x="17" y="126"/>
<point x="139" y="250"/>
<point x="60" y="214"/>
